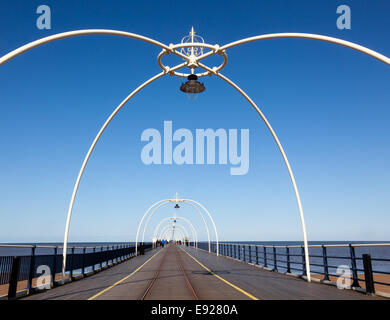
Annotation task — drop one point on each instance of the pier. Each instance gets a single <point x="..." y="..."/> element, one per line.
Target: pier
<point x="179" y="272"/>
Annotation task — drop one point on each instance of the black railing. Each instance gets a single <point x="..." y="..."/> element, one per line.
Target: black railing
<point x="356" y="263"/>
<point x="80" y="261"/>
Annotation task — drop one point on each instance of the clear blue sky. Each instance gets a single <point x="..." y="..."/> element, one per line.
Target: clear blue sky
<point x="328" y="104"/>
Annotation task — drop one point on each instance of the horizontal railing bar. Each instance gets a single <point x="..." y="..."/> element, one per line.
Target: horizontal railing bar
<point x="315" y="245"/>
<point x="59" y="247"/>
<point x="382" y="283"/>
<point x="381" y="272"/>
<point x="296" y="269"/>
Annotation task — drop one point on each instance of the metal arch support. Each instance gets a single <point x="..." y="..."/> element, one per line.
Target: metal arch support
<point x="348" y="44"/>
<point x="148" y="219"/>
<point x="77" y="183"/>
<point x="166" y="202"/>
<point x="75" y="188"/>
<point x="154" y="208"/>
<point x="311" y="36"/>
<point x="175" y="238"/>
<point x="194" y="233"/>
<point x="183" y="229"/>
<point x="170" y="228"/>
<point x="69" y="34"/>
<point x="305" y="241"/>
<point x="179" y="227"/>
<point x="143" y="217"/>
<point x="204" y="221"/>
<point x="307" y="262"/>
<point x="299" y="35"/>
<point x="91" y="148"/>
<point x="211" y="218"/>
<point x="162" y="232"/>
<point x="75" y="33"/>
<point x="194" y="204"/>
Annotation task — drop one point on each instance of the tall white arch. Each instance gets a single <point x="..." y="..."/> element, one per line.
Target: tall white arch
<point x="170" y="228"/>
<point x="193" y="230"/>
<point x="193" y="61"/>
<point x="195" y="204"/>
<point x="167" y="236"/>
<point x="204" y="221"/>
<point x="194" y="235"/>
<point x="166" y="203"/>
<point x="351" y="45"/>
<point x="174" y="228"/>
<point x="75" y="33"/>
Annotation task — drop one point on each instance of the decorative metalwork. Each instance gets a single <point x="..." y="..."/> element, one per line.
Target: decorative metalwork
<point x="192" y="38"/>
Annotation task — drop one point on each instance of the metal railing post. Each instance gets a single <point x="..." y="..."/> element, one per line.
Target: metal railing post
<point x="53" y="277"/>
<point x="101" y="258"/>
<point x="83" y="269"/>
<point x="275" y="262"/>
<point x="368" y="274"/>
<point x="265" y="257"/>
<point x="239" y="252"/>
<point x="304" y="273"/>
<point x="257" y="255"/>
<point x="94" y="257"/>
<point x="13" y="284"/>
<point x="32" y="268"/>
<point x="288" y="260"/>
<point x="250" y="253"/>
<point x="355" y="282"/>
<point x="325" y="261"/>
<point x="243" y="253"/>
<point x="72" y="264"/>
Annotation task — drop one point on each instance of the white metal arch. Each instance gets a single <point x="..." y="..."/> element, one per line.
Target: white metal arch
<point x="351" y="45"/>
<point x="204" y="221"/>
<point x="204" y="209"/>
<point x="166" y="235"/>
<point x="174" y="228"/>
<point x="195" y="204"/>
<point x="193" y="230"/>
<point x="192" y="62"/>
<point x="76" y="33"/>
<point x="165" y="203"/>
<point x="188" y="234"/>
<point x="167" y="229"/>
<point x="184" y="232"/>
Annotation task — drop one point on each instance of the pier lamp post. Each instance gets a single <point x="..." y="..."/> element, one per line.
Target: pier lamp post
<point x="191" y="50"/>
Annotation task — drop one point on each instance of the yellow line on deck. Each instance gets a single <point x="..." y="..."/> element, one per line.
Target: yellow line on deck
<point x="222" y="279"/>
<point x="123" y="279"/>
